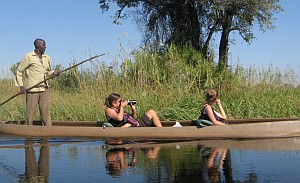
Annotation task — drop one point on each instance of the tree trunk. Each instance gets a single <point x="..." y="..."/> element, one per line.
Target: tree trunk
<point x="224" y="42"/>
<point x="194" y="30"/>
<point x="185" y="23"/>
<point x="205" y="48"/>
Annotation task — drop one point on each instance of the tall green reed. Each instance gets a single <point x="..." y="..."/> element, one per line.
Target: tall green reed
<point x="172" y="82"/>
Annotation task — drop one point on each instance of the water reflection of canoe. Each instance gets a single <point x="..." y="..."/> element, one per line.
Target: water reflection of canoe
<point x="238" y="129"/>
<point x="272" y="144"/>
<point x="257" y="144"/>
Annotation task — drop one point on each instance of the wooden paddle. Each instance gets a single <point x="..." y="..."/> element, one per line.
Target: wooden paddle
<point x="50" y="77"/>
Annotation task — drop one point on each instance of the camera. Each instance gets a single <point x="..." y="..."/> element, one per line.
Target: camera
<point x="131" y="102"/>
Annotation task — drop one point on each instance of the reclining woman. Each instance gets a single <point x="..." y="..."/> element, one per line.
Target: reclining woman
<point x="208" y="113"/>
<point x="117" y="117"/>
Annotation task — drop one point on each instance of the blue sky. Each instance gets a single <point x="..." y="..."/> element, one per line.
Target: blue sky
<point x="279" y="47"/>
<point x="77" y="29"/>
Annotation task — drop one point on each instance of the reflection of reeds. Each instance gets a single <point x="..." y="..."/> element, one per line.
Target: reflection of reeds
<point x="173" y="83"/>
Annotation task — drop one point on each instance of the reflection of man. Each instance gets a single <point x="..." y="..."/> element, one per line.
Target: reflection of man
<point x="34" y="172"/>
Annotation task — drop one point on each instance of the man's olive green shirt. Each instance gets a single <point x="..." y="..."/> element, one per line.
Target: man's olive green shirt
<point x="33" y="70"/>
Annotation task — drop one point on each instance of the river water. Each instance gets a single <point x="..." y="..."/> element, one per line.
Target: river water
<point x="92" y="160"/>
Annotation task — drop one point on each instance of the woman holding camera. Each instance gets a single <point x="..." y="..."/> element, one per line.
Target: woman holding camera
<point x="208" y="113"/>
<point x="116" y="115"/>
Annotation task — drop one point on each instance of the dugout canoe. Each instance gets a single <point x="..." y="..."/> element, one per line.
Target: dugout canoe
<point x="237" y="129"/>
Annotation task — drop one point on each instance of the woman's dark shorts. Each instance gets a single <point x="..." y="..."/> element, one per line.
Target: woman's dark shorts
<point x="145" y="121"/>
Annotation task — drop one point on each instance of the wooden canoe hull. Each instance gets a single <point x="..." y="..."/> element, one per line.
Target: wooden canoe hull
<point x="278" y="129"/>
<point x="164" y="123"/>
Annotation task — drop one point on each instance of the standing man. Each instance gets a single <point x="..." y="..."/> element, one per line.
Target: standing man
<point x="34" y="68"/>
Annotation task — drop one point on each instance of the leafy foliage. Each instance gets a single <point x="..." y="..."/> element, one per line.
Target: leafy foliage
<point x="193" y="23"/>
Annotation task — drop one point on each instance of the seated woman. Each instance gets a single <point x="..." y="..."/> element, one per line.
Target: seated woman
<point x="208" y="113"/>
<point x="116" y="115"/>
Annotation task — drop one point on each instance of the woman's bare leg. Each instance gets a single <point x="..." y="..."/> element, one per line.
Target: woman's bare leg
<point x="153" y="116"/>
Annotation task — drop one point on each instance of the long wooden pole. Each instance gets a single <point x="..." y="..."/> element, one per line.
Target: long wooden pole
<point x="50" y="77"/>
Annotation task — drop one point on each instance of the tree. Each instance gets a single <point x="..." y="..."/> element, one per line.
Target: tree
<point x="240" y="15"/>
<point x="194" y="22"/>
<point x="14" y="67"/>
<point x="163" y="22"/>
